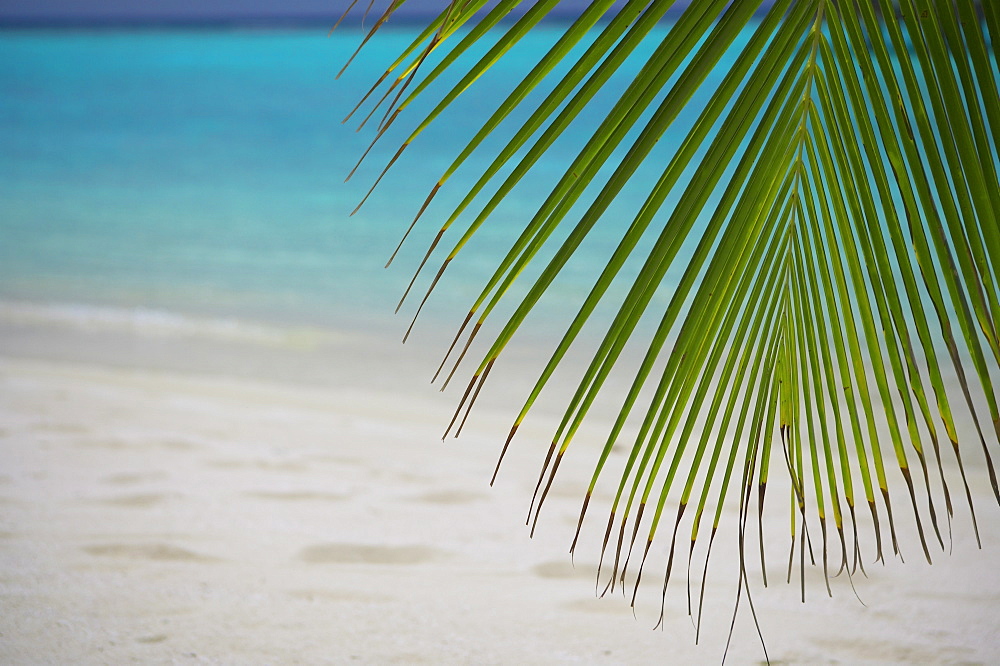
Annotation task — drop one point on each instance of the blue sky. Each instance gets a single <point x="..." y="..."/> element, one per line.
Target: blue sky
<point x="193" y="10"/>
<point x="165" y="9"/>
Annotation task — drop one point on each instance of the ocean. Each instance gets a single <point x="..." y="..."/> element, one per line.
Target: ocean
<point x="160" y="175"/>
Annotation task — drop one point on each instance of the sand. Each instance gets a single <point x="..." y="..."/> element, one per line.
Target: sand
<point x="193" y="512"/>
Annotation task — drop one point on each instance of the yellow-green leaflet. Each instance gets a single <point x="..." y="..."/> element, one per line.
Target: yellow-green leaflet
<point x="831" y="209"/>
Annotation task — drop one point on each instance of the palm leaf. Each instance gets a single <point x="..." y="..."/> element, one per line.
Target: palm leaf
<point x="840" y="191"/>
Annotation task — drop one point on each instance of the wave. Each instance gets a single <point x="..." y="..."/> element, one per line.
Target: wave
<point x="156" y="322"/>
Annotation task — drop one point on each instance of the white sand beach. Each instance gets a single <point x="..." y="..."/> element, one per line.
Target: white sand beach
<point x="159" y="504"/>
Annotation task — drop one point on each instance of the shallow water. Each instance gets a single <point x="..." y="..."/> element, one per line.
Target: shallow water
<point x="200" y="172"/>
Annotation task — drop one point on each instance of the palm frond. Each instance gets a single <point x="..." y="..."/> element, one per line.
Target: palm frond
<point x="840" y="192"/>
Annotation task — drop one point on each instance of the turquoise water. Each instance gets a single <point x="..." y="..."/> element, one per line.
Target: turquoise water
<point x="202" y="172"/>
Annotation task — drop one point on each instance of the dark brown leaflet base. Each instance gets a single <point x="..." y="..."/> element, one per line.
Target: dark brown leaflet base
<point x="858" y="563"/>
<point x="579" y="524"/>
<point x="930" y="499"/>
<point x="371" y="3"/>
<point x="923" y="466"/>
<point x="368" y="9"/>
<point x="949" y="509"/>
<point x="704" y="577"/>
<point x="843" y="566"/>
<point x="892" y="524"/>
<point x="944" y="483"/>
<point x="698" y="517"/>
<point x="618" y="550"/>
<point x="348" y="11"/>
<point x="496" y="470"/>
<point x="541" y="475"/>
<point x="803" y="541"/>
<point x="743" y="581"/>
<point x="358" y="164"/>
<point x="963" y="383"/>
<point x="943" y="317"/>
<point x="878" y="533"/>
<point x="375" y="107"/>
<point x="548" y="485"/>
<point x="631" y="545"/>
<point x="952" y="348"/>
<point x="378" y="24"/>
<point x="610" y="586"/>
<point x="482" y="381"/>
<point x="364" y="98"/>
<point x="437" y="276"/>
<point x="670" y="564"/>
<point x="916" y="512"/>
<point x="688" y="573"/>
<point x="552" y="476"/>
<point x="423" y="301"/>
<point x="982" y="439"/>
<point x="843" y="553"/>
<point x="477" y="382"/>
<point x="381" y="175"/>
<point x="968" y="492"/>
<point x="392" y="112"/>
<point x="465" y="349"/>
<point x="458" y="411"/>
<point x="638" y="575"/>
<point x="600" y="561"/>
<point x="806" y="541"/>
<point x="434" y="243"/>
<point x="762" y="487"/>
<point x="451" y="347"/>
<point x="791" y="560"/>
<point x="826" y="568"/>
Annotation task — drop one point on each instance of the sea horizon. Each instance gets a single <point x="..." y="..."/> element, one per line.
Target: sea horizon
<point x="181" y="16"/>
